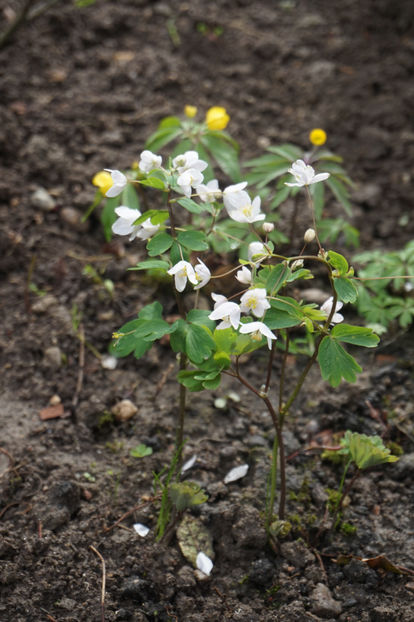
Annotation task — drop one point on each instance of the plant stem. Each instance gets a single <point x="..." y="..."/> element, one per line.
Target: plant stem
<point x="179" y="439"/>
<point x="273" y="479"/>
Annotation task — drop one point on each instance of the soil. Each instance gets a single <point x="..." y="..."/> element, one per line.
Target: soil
<point x="81" y="89"/>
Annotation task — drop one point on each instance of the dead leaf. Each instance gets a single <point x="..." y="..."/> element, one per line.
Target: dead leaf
<point x="52" y="412"/>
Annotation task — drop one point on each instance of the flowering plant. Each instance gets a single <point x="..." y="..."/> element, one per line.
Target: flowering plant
<point x="258" y="310"/>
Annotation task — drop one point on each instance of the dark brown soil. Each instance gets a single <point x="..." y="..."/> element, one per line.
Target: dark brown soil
<point x="81" y="89"/>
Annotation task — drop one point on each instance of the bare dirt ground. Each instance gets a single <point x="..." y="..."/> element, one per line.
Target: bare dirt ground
<point x="81" y="90"/>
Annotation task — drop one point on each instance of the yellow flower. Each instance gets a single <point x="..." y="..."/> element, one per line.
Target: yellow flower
<point x="217" y="118"/>
<point x="190" y="111"/>
<point x="317" y="137"/>
<point x="103" y="180"/>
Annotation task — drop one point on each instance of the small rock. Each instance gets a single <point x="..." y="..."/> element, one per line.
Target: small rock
<point x="66" y="494"/>
<point x="403" y="468"/>
<point x="185" y="577"/>
<point x="261" y="572"/>
<point x="248" y="530"/>
<point x="359" y="572"/>
<point x="73" y="218"/>
<point x="67" y="603"/>
<point x="124" y="410"/>
<point x="384" y="613"/>
<point x="324" y="605"/>
<point x="42" y="304"/>
<point x="296" y="553"/>
<point x="42" y="200"/>
<point x="53" y="357"/>
<point x="136" y="588"/>
<point x="55" y="400"/>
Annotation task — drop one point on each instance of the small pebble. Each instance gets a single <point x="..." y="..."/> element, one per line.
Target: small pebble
<point x="124" y="410"/>
<point x="42" y="200"/>
<point x="73" y="218"/>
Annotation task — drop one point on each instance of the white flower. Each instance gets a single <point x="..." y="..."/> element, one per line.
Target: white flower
<point x="257" y="331"/>
<point x="228" y="312"/>
<point x="189" y="178"/>
<point x="242" y="209"/>
<point x="182" y="271"/>
<point x="218" y="299"/>
<point x="148" y="161"/>
<point x="209" y="192"/>
<point x="124" y="225"/>
<point x="188" y="160"/>
<point x="244" y="276"/>
<point x="204" y="563"/>
<point x="147" y="229"/>
<point x="203" y="274"/>
<point x="257" y="250"/>
<point x="119" y="182"/>
<point x="326" y="309"/>
<point x="230" y="194"/>
<point x="254" y="300"/>
<point x="304" y="174"/>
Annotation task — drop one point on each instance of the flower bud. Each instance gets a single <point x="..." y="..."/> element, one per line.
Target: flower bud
<point x="190" y="111"/>
<point x="217" y="118"/>
<point x="268" y="227"/>
<point x="298" y="263"/>
<point x="309" y="236"/>
<point x="317" y="137"/>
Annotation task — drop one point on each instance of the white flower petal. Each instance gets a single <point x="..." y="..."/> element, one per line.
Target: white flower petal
<point x="189" y="464"/>
<point x="142" y="530"/>
<point x="204" y="563"/>
<point x="236" y="473"/>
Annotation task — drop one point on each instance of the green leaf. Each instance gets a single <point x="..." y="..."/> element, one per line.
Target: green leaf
<point x="185" y="495"/>
<point x="193" y="240"/>
<point x="200" y="316"/>
<point x="224" y="154"/>
<point x="140" y="451"/>
<point x="318" y="194"/>
<point x="346" y="290"/>
<point x="169" y="122"/>
<point x="340" y="192"/>
<point x="275" y="318"/>
<point x="162" y="137"/>
<point x="149" y="264"/>
<point x="277" y="277"/>
<point x="108" y="216"/>
<point x="160" y="243"/>
<point x="287" y="150"/>
<point x="137" y="335"/>
<point x="335" y="363"/>
<point x="130" y="197"/>
<point x="366" y="451"/>
<point x="357" y="335"/>
<point x="191" y="206"/>
<point x="199" y="345"/>
<point x="338" y="262"/>
<point x="153" y="182"/>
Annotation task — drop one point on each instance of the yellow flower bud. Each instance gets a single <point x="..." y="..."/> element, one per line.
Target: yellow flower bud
<point x="103" y="180"/>
<point x="217" y="118"/>
<point x="190" y="111"/>
<point x="317" y="137"/>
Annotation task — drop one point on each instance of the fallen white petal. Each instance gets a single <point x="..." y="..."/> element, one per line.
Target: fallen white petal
<point x="142" y="530"/>
<point x="236" y="473"/>
<point x="190" y="463"/>
<point x="204" y="563"/>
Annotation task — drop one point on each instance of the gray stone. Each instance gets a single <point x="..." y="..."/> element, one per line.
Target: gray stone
<point x="403" y="468"/>
<point x="261" y="572"/>
<point x="297" y="553"/>
<point x="323" y="604"/>
<point x="53" y="357"/>
<point x="73" y="218"/>
<point x="42" y="200"/>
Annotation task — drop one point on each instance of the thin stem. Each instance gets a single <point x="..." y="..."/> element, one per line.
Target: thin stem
<point x="179" y="439"/>
<point x="310" y="202"/>
<point x="283" y="372"/>
<point x="273" y="481"/>
<point x="269" y="367"/>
